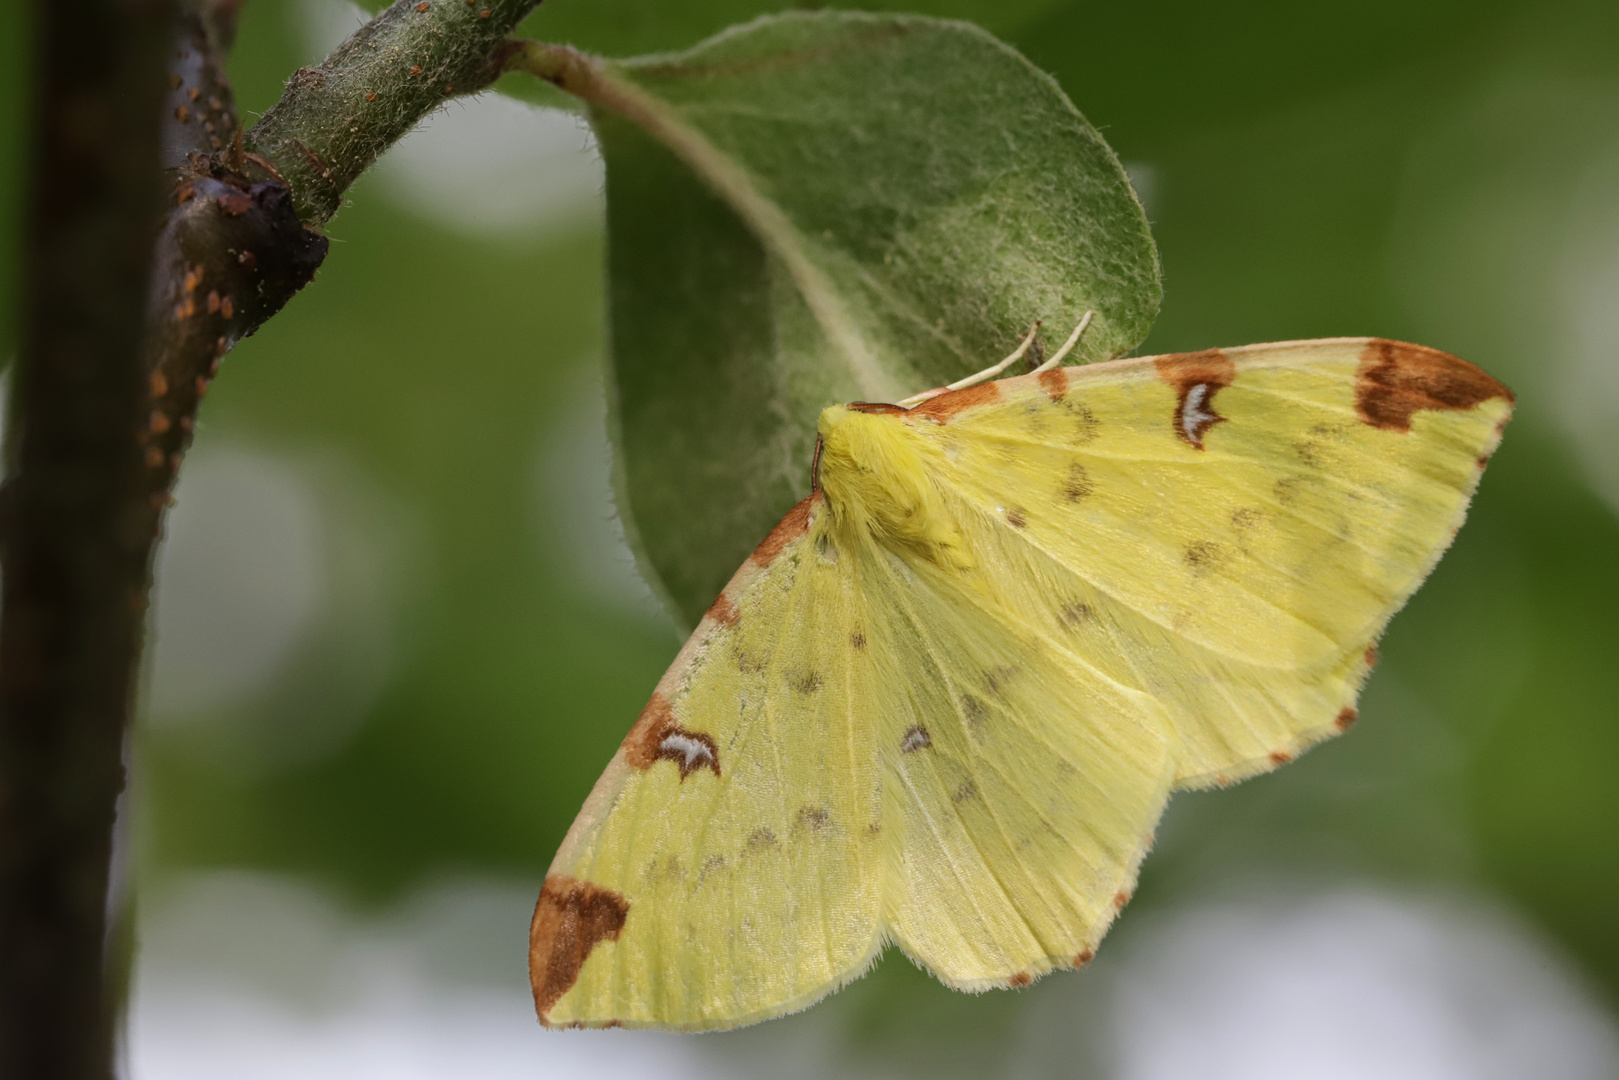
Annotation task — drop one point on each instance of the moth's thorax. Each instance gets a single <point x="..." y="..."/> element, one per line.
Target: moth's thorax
<point x="874" y="473"/>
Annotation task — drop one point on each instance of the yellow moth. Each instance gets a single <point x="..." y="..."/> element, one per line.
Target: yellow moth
<point x="944" y="703"/>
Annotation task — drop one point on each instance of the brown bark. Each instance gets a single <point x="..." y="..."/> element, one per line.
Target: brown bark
<point x="158" y="236"/>
<point x="71" y="539"/>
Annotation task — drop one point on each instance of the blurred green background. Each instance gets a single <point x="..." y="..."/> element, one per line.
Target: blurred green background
<point x="396" y="640"/>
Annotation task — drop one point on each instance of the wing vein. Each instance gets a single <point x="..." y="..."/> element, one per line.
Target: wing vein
<point x="988" y="864"/>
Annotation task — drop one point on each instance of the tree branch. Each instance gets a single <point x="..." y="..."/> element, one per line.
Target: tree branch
<point x="238" y="244"/>
<point x="335" y="120"/>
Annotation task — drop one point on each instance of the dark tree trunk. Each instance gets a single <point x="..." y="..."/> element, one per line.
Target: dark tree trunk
<point x="72" y="545"/>
<point x="159" y="234"/>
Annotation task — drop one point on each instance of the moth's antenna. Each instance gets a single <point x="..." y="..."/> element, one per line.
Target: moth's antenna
<point x="1067" y="346"/>
<point x="815" y="468"/>
<point x="971" y="380"/>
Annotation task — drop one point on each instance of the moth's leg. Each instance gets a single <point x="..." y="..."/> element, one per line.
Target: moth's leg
<point x="1067" y="346"/>
<point x="971" y="380"/>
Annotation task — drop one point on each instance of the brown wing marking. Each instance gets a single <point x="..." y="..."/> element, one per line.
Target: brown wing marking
<point x="788" y="529"/>
<point x="569" y="919"/>
<point x="1055" y="383"/>
<point x="940" y="409"/>
<point x="657" y="737"/>
<point x="1196" y="377"/>
<point x="722" y="611"/>
<point x="915" y="739"/>
<point x="1395" y="380"/>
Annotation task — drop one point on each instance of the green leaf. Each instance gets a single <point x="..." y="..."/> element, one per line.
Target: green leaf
<point x="815" y="208"/>
<point x="629" y="27"/>
<point x="625" y="27"/>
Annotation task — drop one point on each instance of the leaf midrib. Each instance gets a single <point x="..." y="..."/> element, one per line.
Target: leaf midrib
<point x="603" y="87"/>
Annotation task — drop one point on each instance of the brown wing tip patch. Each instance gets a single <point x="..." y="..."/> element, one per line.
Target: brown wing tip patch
<point x="940" y="409"/>
<point x="1121" y="898"/>
<point x="1371" y="656"/>
<point x="788" y="529"/>
<point x="1346" y="718"/>
<point x="570" y="918"/>
<point x="1022" y="978"/>
<point x="1196" y="377"/>
<point x="1083" y="957"/>
<point x="1280" y="757"/>
<point x="657" y="737"/>
<point x="1396" y="380"/>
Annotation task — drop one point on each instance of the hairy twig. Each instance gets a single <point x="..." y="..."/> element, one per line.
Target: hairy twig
<point x="336" y="119"/>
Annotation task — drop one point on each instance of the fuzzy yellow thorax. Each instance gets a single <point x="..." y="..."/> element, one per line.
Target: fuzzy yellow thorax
<point x="873" y="472"/>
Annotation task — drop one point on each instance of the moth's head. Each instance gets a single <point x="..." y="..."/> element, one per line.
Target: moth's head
<point x="874" y="476"/>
